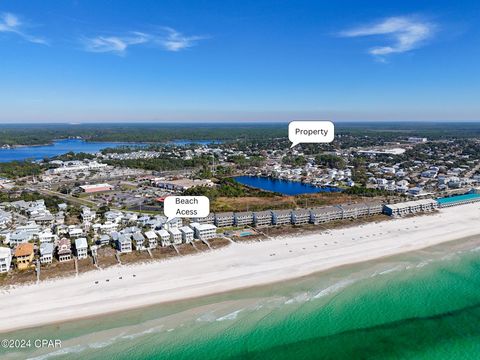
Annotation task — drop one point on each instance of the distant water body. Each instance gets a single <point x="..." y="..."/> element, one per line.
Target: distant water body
<point x="284" y="187"/>
<point x="420" y="305"/>
<point x="58" y="147"/>
<point x="63" y="146"/>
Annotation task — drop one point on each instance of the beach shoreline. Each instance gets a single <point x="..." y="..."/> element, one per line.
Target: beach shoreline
<point x="235" y="267"/>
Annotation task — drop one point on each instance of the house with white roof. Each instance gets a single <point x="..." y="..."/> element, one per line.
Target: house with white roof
<point x="88" y="214"/>
<point x="175" y="236"/>
<point x="75" y="231"/>
<point x="164" y="237"/>
<point x="204" y="231"/>
<point x="46" y="253"/>
<point x="151" y="238"/>
<point x="5" y="259"/>
<point x="46" y="236"/>
<point x="81" y="248"/>
<point x="18" y="237"/>
<point x="174" y="223"/>
<point x="138" y="240"/>
<point x="187" y="234"/>
<point x="124" y="243"/>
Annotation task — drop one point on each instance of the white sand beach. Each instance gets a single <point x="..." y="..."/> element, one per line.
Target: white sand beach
<point x="236" y="266"/>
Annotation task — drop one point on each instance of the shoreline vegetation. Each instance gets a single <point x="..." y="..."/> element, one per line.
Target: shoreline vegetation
<point x="232" y="267"/>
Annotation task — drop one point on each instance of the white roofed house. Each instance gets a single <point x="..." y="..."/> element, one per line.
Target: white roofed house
<point x="75" y="231"/>
<point x="64" y="250"/>
<point x="325" y="214"/>
<point x="5" y="259"/>
<point x="281" y="217"/>
<point x="46" y="253"/>
<point x="300" y="217"/>
<point x="151" y="238"/>
<point x="164" y="237"/>
<point x="114" y="216"/>
<point x="138" y="241"/>
<point x="174" y="223"/>
<point x="108" y="227"/>
<point x="124" y="243"/>
<point x="46" y="236"/>
<point x="187" y="234"/>
<point x="204" y="231"/>
<point x="104" y="239"/>
<point x="243" y="218"/>
<point x="81" y="248"/>
<point x="262" y="218"/>
<point x="18" y="237"/>
<point x="224" y="219"/>
<point x="88" y="214"/>
<point x="175" y="236"/>
<point x="43" y="217"/>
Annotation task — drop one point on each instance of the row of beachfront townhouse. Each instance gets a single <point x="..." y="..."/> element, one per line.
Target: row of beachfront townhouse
<point x="294" y="217"/>
<point x="133" y="238"/>
<point x="410" y="207"/>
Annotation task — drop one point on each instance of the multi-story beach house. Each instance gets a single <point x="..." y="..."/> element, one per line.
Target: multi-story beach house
<point x="281" y="217"/>
<point x="164" y="237"/>
<point x="174" y="223"/>
<point x="75" y="231"/>
<point x="24" y="256"/>
<point x="81" y="248"/>
<point x="151" y="238"/>
<point x="175" y="236"/>
<point x="19" y="237"/>
<point x="46" y="253"/>
<point x="124" y="243"/>
<point x="138" y="241"/>
<point x="5" y="259"/>
<point x="300" y="217"/>
<point x="204" y="231"/>
<point x="224" y="219"/>
<point x="88" y="214"/>
<point x="46" y="236"/>
<point x="325" y="214"/>
<point x="187" y="234"/>
<point x="64" y="250"/>
<point x="243" y="218"/>
<point x="104" y="239"/>
<point x="262" y="218"/>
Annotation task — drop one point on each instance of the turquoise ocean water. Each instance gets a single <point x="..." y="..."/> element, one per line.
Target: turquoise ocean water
<point x="420" y="305"/>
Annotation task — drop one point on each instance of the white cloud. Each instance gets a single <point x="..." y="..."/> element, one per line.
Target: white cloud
<point x="10" y="23"/>
<point x="407" y="33"/>
<point x="114" y="44"/>
<point x="176" y="41"/>
<point x="168" y="39"/>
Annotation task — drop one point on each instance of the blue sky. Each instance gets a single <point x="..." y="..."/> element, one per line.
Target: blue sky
<point x="79" y="61"/>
